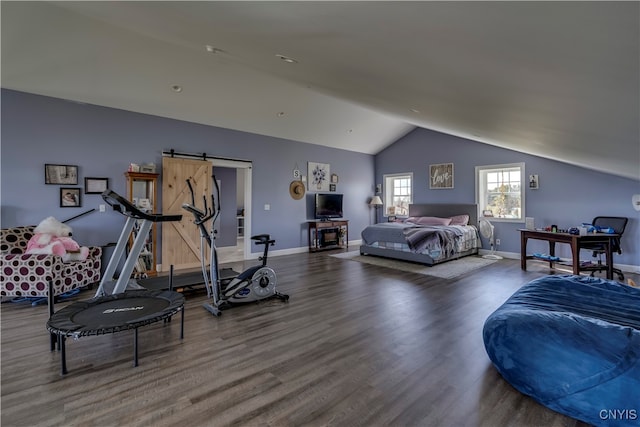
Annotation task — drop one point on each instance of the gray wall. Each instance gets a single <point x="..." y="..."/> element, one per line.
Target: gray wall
<point x="567" y="196"/>
<point x="227" y="225"/>
<point x="103" y="141"/>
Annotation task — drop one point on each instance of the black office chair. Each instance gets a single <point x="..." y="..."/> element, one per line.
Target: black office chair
<point x="618" y="224"/>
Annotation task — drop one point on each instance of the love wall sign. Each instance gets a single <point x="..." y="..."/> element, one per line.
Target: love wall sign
<point x="441" y="176"/>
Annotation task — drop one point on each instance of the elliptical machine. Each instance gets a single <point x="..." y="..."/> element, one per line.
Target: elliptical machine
<point x="254" y="284"/>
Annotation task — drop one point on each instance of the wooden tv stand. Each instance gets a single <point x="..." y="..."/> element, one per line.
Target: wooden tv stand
<point x="329" y="234"/>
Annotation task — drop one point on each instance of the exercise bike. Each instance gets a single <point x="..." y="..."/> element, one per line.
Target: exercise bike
<point x="254" y="284"/>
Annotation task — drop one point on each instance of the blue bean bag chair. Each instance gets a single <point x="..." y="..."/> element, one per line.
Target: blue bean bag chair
<point x="572" y="343"/>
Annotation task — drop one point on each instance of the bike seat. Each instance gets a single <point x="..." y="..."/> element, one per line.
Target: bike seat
<point x="262" y="239"/>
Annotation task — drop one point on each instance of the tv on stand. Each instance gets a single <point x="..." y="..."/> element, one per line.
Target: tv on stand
<point x="328" y="206"/>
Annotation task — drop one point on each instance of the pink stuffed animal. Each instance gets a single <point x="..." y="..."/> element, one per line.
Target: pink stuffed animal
<point x="53" y="237"/>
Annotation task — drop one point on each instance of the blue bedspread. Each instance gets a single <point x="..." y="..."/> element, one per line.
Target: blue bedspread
<point x="573" y="344"/>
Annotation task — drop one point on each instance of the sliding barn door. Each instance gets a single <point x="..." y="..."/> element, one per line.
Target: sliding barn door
<point x="181" y="240"/>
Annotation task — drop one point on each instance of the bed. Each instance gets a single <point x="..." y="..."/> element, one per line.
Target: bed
<point x="432" y="234"/>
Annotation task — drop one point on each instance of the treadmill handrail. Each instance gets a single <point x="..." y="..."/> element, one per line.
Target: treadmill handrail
<point x="125" y="207"/>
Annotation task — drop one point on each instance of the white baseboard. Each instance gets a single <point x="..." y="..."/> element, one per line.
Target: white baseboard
<point x="628" y="268"/>
<point x="355" y="244"/>
<point x="281" y="252"/>
<point x="508" y="255"/>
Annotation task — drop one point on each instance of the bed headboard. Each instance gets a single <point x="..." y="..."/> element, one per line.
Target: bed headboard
<point x="445" y="210"/>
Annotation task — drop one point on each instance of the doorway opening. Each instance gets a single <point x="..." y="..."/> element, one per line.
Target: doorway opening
<point x="238" y="248"/>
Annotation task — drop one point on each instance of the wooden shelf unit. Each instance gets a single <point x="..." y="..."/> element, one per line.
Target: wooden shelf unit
<point x="142" y="191"/>
<point x="329" y="234"/>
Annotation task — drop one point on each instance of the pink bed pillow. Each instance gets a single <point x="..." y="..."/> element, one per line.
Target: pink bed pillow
<point x="460" y="220"/>
<point x="433" y="220"/>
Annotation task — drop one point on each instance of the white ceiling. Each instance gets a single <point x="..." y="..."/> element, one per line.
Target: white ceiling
<point x="554" y="79"/>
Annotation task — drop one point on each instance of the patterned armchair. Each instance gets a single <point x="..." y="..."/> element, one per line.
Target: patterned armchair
<point x="28" y="275"/>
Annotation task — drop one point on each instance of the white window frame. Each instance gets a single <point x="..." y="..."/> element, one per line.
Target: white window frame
<point x="481" y="190"/>
<point x="388" y="187"/>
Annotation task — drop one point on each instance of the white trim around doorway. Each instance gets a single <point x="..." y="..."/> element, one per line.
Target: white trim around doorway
<point x="246" y="167"/>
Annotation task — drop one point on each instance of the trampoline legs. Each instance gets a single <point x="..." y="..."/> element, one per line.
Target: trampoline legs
<point x="51" y="302"/>
<point x="63" y="354"/>
<point x="60" y="337"/>
<point x="182" y="323"/>
<point x="135" y="347"/>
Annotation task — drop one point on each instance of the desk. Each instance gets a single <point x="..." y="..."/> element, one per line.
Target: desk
<point x="575" y="241"/>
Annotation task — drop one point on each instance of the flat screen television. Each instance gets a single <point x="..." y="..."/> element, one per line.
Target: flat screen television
<point x="328" y="205"/>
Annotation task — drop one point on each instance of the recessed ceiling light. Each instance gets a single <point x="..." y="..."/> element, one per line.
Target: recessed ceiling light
<point x="287" y="59"/>
<point x="176" y="88"/>
<point x="212" y="49"/>
<point x="414" y="110"/>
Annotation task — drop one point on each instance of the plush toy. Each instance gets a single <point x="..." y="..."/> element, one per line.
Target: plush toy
<point x="53" y="237"/>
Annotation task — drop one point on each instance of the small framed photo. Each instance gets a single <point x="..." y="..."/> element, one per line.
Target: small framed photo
<point x="334" y="178"/>
<point x="332" y="187"/>
<point x="391" y="218"/>
<point x="95" y="185"/>
<point x="487" y="213"/>
<point x="70" y="197"/>
<point x="533" y="182"/>
<point x="60" y="174"/>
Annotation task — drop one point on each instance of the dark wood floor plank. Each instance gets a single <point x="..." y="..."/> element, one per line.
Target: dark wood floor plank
<point x="356" y="345"/>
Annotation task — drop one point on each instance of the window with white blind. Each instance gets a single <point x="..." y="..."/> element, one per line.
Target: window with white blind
<point x="398" y="194"/>
<point x="500" y="192"/>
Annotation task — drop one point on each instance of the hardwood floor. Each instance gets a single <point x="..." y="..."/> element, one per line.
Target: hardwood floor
<point x="356" y="345"/>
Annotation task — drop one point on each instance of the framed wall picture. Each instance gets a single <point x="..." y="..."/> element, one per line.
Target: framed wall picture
<point x="441" y="176"/>
<point x="533" y="182"/>
<point x="70" y="197"/>
<point x="95" y="185"/>
<point x="60" y="174"/>
<point x="319" y="175"/>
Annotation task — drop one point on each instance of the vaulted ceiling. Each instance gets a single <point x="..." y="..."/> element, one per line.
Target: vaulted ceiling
<point x="554" y="79"/>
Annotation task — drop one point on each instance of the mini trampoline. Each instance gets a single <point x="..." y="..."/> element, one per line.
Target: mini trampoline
<point x="114" y="313"/>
